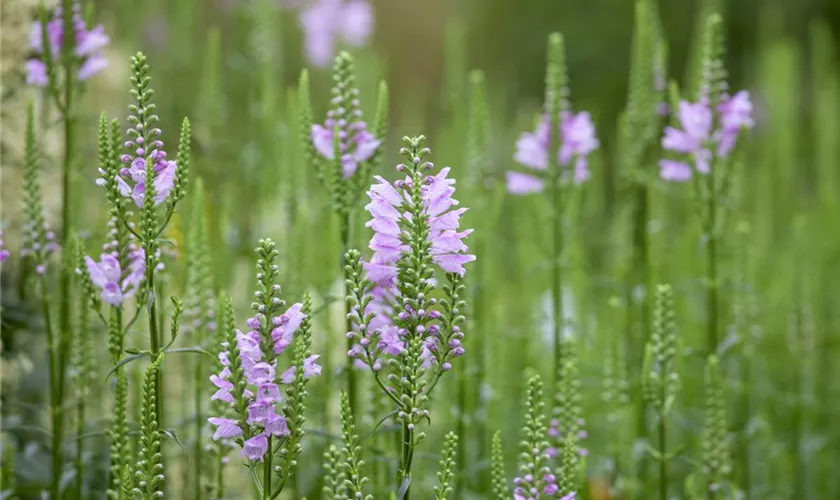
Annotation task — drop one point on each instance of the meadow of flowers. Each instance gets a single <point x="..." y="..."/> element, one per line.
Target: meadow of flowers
<point x="238" y="265"/>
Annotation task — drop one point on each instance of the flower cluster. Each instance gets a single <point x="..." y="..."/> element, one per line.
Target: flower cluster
<point x="250" y="362"/>
<point x="697" y="141"/>
<point x="556" y="436"/>
<point x="526" y="488"/>
<point x="328" y="22"/>
<point x="355" y="143"/>
<point x="39" y="243"/>
<point x="388" y="209"/>
<point x="4" y="254"/>
<point x="165" y="170"/>
<point x="108" y="275"/>
<point x="393" y="209"/>
<point x="88" y="47"/>
<point x="577" y="140"/>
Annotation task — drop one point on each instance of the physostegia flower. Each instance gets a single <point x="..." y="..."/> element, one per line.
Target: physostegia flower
<point x="135" y="172"/>
<point x="705" y="134"/>
<point x="328" y="23"/>
<point x="414" y="218"/>
<point x="88" y="47"/>
<point x="117" y="284"/>
<point x="355" y="144"/>
<point x="577" y="140"/>
<point x="250" y="378"/>
<point x="4" y="254"/>
<point x="392" y="310"/>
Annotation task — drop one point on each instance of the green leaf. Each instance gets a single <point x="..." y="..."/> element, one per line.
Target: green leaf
<point x="190" y="349"/>
<point x="124" y="361"/>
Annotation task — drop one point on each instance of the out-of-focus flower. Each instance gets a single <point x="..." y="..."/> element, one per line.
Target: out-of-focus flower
<point x="328" y="23"/>
<point x="88" y="47"/>
<point x="4" y="254"/>
<point x="695" y="141"/>
<point x="577" y="140"/>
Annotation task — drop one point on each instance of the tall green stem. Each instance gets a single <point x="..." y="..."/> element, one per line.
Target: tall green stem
<point x="267" y="492"/>
<point x="640" y="276"/>
<point x="351" y="372"/>
<point x="407" y="458"/>
<point x="154" y="336"/>
<point x="63" y="342"/>
<point x="80" y="429"/>
<point x="711" y="266"/>
<point x="55" y="402"/>
<point x="663" y="451"/>
<point x="199" y="425"/>
<point x="557" y="270"/>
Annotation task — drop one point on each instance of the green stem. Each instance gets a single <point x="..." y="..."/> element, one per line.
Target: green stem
<point x="461" y="427"/>
<point x="711" y="268"/>
<point x="59" y="365"/>
<point x="641" y="277"/>
<point x="199" y="421"/>
<point x="556" y="277"/>
<point x="267" y="493"/>
<point x="746" y="473"/>
<point x="55" y="403"/>
<point x="407" y="458"/>
<point x="220" y="476"/>
<point x="663" y="458"/>
<point x="154" y="336"/>
<point x="351" y="372"/>
<point x="80" y="429"/>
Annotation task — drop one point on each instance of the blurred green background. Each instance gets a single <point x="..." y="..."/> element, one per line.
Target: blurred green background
<point x="232" y="68"/>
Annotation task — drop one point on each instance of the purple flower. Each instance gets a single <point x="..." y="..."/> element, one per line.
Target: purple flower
<point x="268" y="392"/>
<point x="286" y="325"/>
<point x="165" y="170"/>
<point x="310" y="368"/>
<point x="255" y="448"/>
<point x="447" y="248"/>
<point x="224" y="386"/>
<point x="225" y="428"/>
<point x="106" y="274"/>
<point x="328" y="22"/>
<point x="696" y="140"/>
<point x="577" y="140"/>
<point x="88" y="47"/>
<point x="735" y="115"/>
<point x="260" y="373"/>
<point x="38" y="243"/>
<point x="4" y="254"/>
<point x="359" y="148"/>
<point x="519" y="183"/>
<point x="259" y="410"/>
<point x="276" y="425"/>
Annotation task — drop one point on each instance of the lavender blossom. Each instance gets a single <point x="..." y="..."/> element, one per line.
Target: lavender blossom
<point x="4" y="254"/>
<point x="249" y="379"/>
<point x="355" y="143"/>
<point x="107" y="274"/>
<point x="88" y="47"/>
<point x="327" y="23"/>
<point x="696" y="141"/>
<point x="38" y="242"/>
<point x="387" y="207"/>
<point x="577" y="140"/>
<point x="165" y="170"/>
